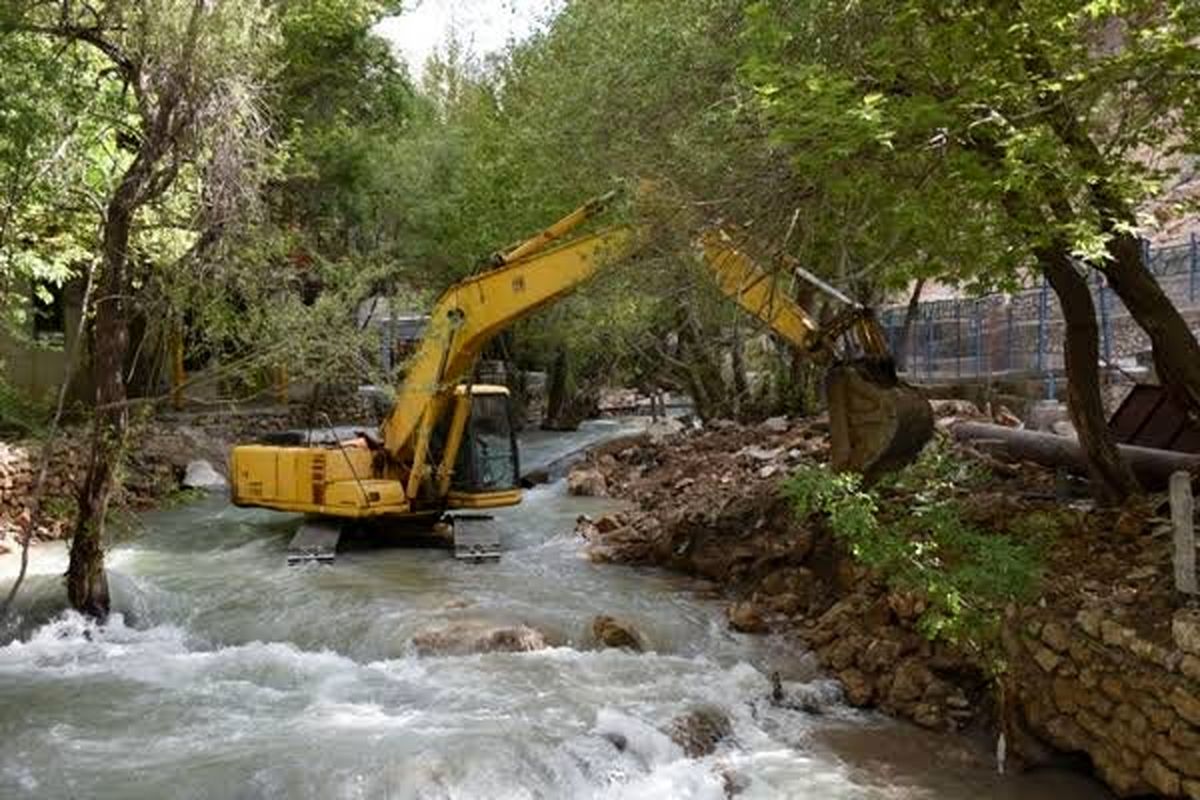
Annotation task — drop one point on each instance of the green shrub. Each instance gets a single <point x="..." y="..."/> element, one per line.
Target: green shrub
<point x="912" y="533"/>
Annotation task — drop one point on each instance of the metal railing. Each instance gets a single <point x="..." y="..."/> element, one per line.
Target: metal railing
<point x="1020" y="335"/>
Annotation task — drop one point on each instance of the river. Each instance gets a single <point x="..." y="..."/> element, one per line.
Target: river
<point x="227" y="674"/>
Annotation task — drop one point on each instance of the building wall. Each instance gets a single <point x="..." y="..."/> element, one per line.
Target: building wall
<point x="35" y="367"/>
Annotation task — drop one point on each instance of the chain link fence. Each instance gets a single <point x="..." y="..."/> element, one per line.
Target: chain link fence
<point x="1020" y="336"/>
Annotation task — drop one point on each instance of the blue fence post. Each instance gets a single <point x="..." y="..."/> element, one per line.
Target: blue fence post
<point x="1008" y="344"/>
<point x="1193" y="268"/>
<point x="1043" y="334"/>
<point x="978" y="338"/>
<point x="1105" y="318"/>
<point x="958" y="338"/>
<point x="929" y="342"/>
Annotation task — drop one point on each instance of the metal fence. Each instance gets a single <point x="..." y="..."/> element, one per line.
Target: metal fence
<point x="1020" y="335"/>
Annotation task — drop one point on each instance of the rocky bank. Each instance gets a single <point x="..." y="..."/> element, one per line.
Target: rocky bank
<point x="1103" y="664"/>
<point x="159" y="454"/>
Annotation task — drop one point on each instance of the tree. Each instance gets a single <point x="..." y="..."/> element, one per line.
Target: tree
<point x="1018" y="112"/>
<point x="187" y="70"/>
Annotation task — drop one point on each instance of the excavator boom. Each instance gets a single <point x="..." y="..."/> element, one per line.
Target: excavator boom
<point x="876" y="422"/>
<point x="474" y="310"/>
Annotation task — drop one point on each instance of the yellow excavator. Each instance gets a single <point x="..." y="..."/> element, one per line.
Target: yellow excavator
<point x="448" y="445"/>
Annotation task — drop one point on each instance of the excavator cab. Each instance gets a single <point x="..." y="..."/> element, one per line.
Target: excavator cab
<point x="486" y="471"/>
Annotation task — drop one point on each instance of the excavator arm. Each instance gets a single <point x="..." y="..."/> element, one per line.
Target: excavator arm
<point x="475" y="310"/>
<point x="876" y="422"/>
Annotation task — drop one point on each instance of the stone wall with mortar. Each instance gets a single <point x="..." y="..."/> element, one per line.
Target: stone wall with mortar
<point x="1094" y="686"/>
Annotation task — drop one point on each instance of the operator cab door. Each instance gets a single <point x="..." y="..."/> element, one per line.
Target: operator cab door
<point x="487" y="470"/>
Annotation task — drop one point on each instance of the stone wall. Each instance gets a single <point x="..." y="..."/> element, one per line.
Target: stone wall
<point x="1094" y="686"/>
<point x="19" y="463"/>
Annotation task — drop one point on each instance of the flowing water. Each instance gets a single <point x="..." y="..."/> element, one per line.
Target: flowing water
<point x="226" y="674"/>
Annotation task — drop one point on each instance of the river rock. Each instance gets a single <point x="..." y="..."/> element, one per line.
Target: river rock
<point x="1185" y="628"/>
<point x="775" y="425"/>
<point x="699" y="731"/>
<point x="201" y="475"/>
<point x="587" y="482"/>
<point x="477" y="636"/>
<point x="660" y="429"/>
<point x="610" y="632"/>
<point x="535" y="477"/>
<point x="860" y="691"/>
<point x="745" y="617"/>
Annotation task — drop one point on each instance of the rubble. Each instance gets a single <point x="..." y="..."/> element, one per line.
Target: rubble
<point x="587" y="483"/>
<point x="1104" y="657"/>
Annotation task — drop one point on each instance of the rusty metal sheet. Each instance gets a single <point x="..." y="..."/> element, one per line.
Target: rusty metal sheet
<point x="1148" y="417"/>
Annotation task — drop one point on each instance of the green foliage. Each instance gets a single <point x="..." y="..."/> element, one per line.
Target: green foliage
<point x="19" y="414"/>
<point x="1030" y="117"/>
<point x="921" y="543"/>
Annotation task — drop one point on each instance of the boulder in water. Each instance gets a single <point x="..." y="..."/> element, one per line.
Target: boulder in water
<point x="201" y="475"/>
<point x="610" y="632"/>
<point x="587" y="482"/>
<point x="699" y="731"/>
<point x="477" y="636"/>
<point x="745" y="617"/>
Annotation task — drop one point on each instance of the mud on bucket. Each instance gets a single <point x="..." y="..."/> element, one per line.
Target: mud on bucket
<point x="877" y="423"/>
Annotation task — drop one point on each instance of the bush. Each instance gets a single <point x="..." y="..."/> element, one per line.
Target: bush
<point x="20" y="416"/>
<point x="912" y="533"/>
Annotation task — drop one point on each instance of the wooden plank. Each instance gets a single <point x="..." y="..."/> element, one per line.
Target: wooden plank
<point x="315" y="541"/>
<point x="1183" y="521"/>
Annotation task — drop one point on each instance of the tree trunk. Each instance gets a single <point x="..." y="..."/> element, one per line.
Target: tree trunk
<point x="910" y="322"/>
<point x="87" y="583"/>
<point x="1152" y="467"/>
<point x="1176" y="351"/>
<point x="557" y="391"/>
<point x="737" y="366"/>
<point x="1111" y="479"/>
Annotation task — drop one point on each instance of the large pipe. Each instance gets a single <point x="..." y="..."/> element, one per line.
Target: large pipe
<point x="1152" y="467"/>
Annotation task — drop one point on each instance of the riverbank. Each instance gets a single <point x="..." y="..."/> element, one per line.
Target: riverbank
<point x="403" y="670"/>
<point x="1103" y="662"/>
<point x="159" y="452"/>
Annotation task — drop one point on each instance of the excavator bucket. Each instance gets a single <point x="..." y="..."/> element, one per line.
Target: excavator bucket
<point x="877" y="423"/>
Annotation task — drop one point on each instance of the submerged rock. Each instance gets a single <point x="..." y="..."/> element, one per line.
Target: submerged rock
<point x="200" y="474"/>
<point x="587" y="482"/>
<point x="477" y="636"/>
<point x="745" y="617"/>
<point x="699" y="731"/>
<point x="610" y="632"/>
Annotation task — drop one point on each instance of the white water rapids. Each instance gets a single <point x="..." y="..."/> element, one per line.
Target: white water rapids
<point x="227" y="674"/>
